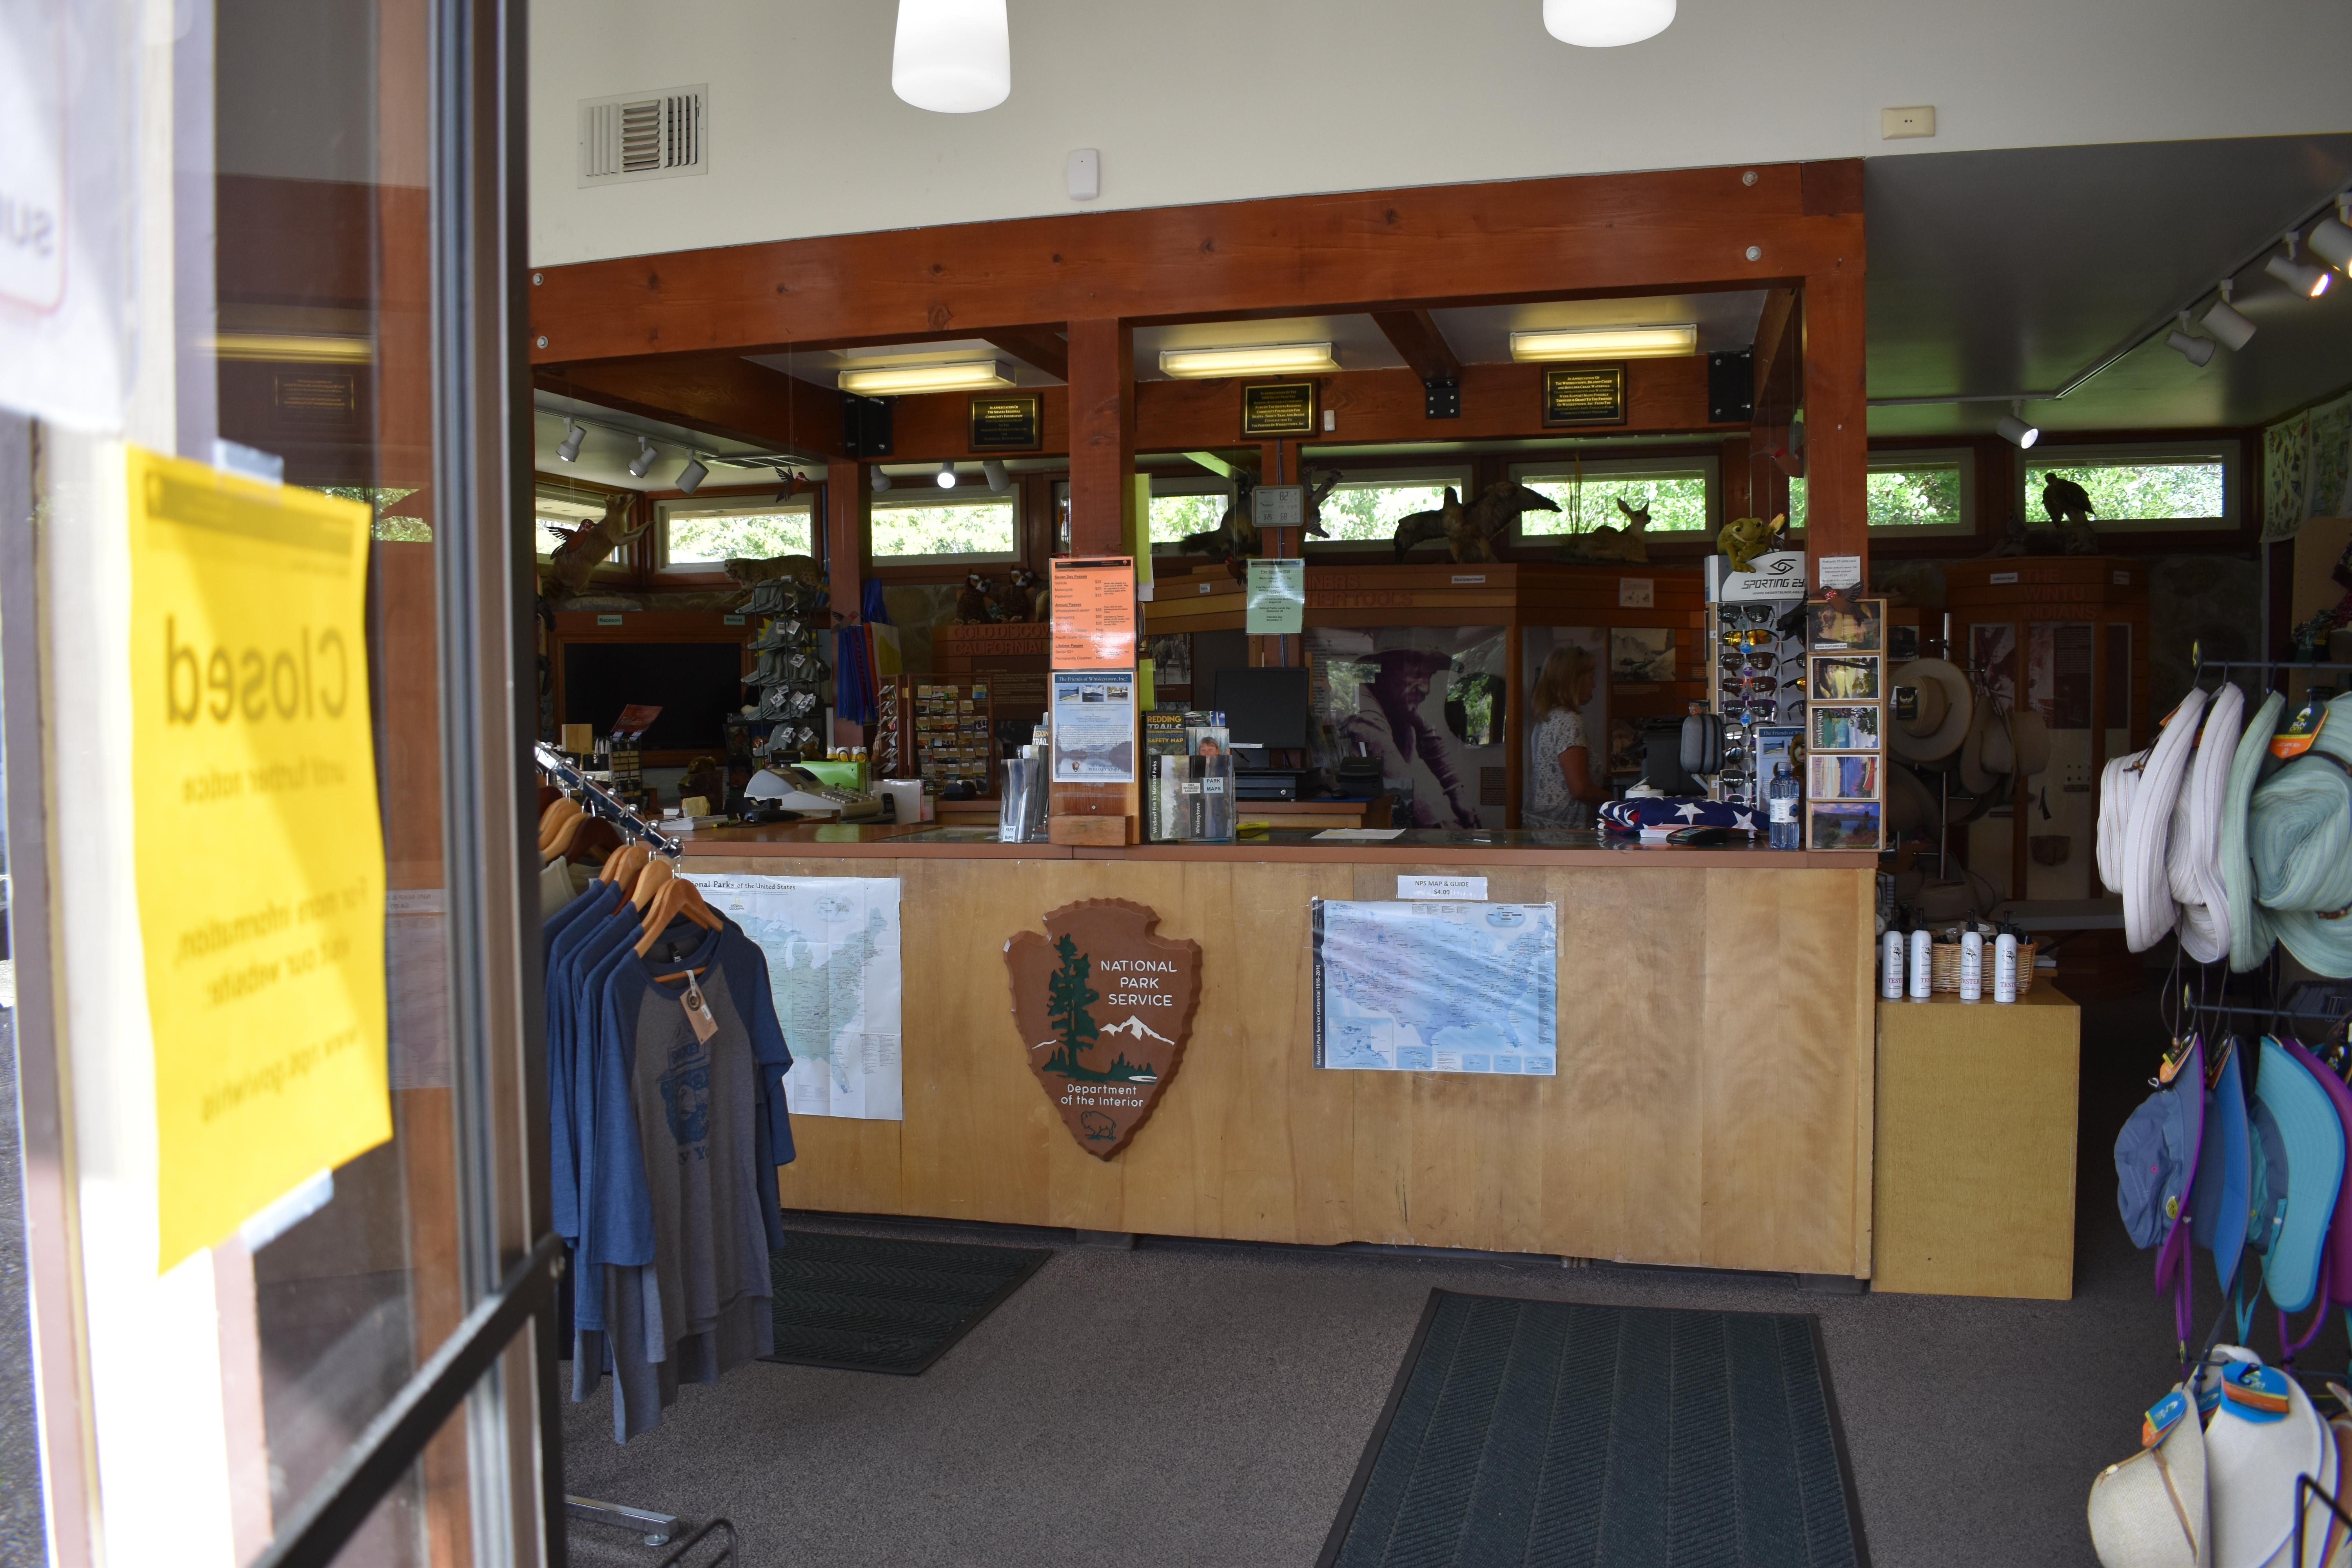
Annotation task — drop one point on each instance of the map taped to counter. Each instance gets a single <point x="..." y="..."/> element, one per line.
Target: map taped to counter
<point x="833" y="964"/>
<point x="1436" y="987"/>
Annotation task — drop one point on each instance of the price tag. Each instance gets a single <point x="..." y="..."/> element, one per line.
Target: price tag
<point x="697" y="1010"/>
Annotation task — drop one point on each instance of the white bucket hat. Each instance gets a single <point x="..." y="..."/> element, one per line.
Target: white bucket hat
<point x="2253" y="1451"/>
<point x="2193" y="864"/>
<point x="2149" y="909"/>
<point x="2149" y="1510"/>
<point x="1946" y="706"/>
<point x="2250" y="926"/>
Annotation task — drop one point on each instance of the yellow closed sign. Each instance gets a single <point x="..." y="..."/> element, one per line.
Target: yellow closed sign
<point x="260" y="855"/>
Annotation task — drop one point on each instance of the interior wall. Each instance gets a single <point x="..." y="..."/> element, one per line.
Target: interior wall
<point x="1220" y="100"/>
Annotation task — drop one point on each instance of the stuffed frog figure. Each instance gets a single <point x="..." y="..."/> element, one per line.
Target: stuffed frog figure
<point x="1745" y="538"/>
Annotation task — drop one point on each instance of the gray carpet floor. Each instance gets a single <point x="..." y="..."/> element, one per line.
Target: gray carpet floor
<point x="1223" y="1414"/>
<point x="23" y="1537"/>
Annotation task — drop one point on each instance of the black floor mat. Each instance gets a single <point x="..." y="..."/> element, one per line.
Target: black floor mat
<point x="869" y="1303"/>
<point x="1546" y="1432"/>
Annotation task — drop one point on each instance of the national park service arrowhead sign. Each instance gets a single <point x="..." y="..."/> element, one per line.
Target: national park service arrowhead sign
<point x="1104" y="1007"/>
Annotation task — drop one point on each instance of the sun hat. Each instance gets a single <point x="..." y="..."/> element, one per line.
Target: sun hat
<point x="2339" y="1230"/>
<point x="2312" y="1140"/>
<point x="2118" y="783"/>
<point x="2299" y="840"/>
<point x="1911" y="806"/>
<point x="2017" y="743"/>
<point x="2218" y="1206"/>
<point x="2156" y="1156"/>
<point x="2149" y="1510"/>
<point x="2149" y="909"/>
<point x="2192" y="864"/>
<point x="1946" y="707"/>
<point x="1975" y="779"/>
<point x="2250" y="926"/>
<point x="2263" y="1433"/>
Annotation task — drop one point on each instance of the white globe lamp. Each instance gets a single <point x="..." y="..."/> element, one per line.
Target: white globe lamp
<point x="953" y="57"/>
<point x="1605" y="24"/>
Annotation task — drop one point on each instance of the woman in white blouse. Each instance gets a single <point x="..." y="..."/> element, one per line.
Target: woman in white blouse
<point x="1561" y="788"/>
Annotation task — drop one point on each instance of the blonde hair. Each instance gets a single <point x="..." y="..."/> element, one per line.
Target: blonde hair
<point x="1565" y="669"/>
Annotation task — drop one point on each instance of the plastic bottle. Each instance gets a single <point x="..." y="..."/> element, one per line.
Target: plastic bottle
<point x="1923" y="963"/>
<point x="1780" y="801"/>
<point x="2004" y="966"/>
<point x="1890" y="958"/>
<point x="1972" y="964"/>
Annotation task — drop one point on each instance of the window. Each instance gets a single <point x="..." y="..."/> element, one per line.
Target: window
<point x="1365" y="508"/>
<point x="2135" y="487"/>
<point x="560" y="510"/>
<point x="1187" y="506"/>
<point x="708" y="533"/>
<point x="1914" y="494"/>
<point x="1678" y="492"/>
<point x="945" y="528"/>
<point x="385" y="504"/>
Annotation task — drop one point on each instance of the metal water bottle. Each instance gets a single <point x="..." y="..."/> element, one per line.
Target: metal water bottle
<point x="1780" y="806"/>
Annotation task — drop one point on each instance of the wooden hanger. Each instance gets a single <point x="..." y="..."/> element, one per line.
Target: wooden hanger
<point x="551" y="821"/>
<point x="594" y="835"/>
<point x="566" y="833"/>
<point x="678" y="896"/>
<point x="623" y="866"/>
<point x="650" y="881"/>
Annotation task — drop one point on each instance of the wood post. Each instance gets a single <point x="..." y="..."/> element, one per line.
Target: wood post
<point x="1837" y="426"/>
<point x="1102" y="434"/>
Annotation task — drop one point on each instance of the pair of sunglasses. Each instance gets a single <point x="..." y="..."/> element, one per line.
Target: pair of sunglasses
<point x="1733" y="663"/>
<point x="1760" y="637"/>
<point x="1730" y="616"/>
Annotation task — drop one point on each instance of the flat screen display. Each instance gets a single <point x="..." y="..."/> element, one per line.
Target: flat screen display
<point x="695" y="684"/>
<point x="1263" y="707"/>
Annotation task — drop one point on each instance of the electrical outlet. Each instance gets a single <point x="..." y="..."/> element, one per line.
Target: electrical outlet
<point x="1893" y="124"/>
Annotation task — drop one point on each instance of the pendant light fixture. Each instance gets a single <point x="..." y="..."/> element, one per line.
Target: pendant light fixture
<point x="954" y="56"/>
<point x="1605" y="24"/>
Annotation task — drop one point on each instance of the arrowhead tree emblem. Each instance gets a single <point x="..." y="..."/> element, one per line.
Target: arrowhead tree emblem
<point x="1104" y="1008"/>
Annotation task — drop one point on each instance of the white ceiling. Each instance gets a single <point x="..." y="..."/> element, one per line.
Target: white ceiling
<point x="611" y="445"/>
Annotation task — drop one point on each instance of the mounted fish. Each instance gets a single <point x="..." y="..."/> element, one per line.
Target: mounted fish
<point x="1630" y="544"/>
<point x="1745" y="538"/>
<point x="573" y="561"/>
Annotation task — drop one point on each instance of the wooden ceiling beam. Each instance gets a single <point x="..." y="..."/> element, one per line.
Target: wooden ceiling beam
<point x="1416" y="336"/>
<point x="1659" y="231"/>
<point x="723" y="394"/>
<point x="1038" y="347"/>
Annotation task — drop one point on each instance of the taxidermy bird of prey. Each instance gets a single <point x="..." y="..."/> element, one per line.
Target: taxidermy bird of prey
<point x="2066" y="500"/>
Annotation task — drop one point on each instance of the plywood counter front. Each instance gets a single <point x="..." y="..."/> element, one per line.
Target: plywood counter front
<point x="1713" y="1104"/>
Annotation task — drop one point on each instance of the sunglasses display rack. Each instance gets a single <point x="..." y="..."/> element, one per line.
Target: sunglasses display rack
<point x="1756" y="681"/>
<point x="1846" y="724"/>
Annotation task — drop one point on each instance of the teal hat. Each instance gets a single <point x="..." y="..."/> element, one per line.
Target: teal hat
<point x="2250" y="926"/>
<point x="2218" y="1212"/>
<point x="2311" y="1143"/>
<point x="2299" y="837"/>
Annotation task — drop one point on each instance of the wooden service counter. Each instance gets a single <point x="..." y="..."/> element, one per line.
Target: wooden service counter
<point x="1713" y="1104"/>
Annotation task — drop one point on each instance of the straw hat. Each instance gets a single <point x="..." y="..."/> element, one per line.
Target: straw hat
<point x="1911" y="805"/>
<point x="2192" y="863"/>
<point x="2017" y="743"/>
<point x="2250" y="926"/>
<point x="2149" y="909"/>
<point x="1945" y="705"/>
<point x="2263" y="1433"/>
<point x="1975" y="779"/>
<point x="2149" y="1510"/>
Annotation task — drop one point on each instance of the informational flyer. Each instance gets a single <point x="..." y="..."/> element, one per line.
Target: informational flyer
<point x="1094" y="726"/>
<point x="1093" y="613"/>
<point x="834" y="967"/>
<point x="259" y="851"/>
<point x="1436" y="987"/>
<point x="1276" y="604"/>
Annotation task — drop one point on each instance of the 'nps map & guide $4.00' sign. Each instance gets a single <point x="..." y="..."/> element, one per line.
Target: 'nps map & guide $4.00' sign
<point x="259" y="854"/>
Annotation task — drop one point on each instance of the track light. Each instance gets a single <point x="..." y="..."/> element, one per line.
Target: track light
<point x="573" y="434"/>
<point x="992" y="470"/>
<point x="2226" y="323"/>
<point x="2013" y="428"/>
<point x="644" y="462"/>
<point x="947" y="476"/>
<point x="881" y="481"/>
<point x="1605" y="24"/>
<point x="952" y="56"/>
<point x="2196" y="351"/>
<point x="2302" y="277"/>
<point x="2331" y="239"/>
<point x="690" y="477"/>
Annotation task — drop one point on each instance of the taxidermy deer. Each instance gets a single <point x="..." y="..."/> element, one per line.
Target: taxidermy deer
<point x="585" y="547"/>
<point x="1627" y="544"/>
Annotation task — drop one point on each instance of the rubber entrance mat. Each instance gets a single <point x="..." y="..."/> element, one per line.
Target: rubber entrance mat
<point x="869" y="1303"/>
<point x="1546" y="1432"/>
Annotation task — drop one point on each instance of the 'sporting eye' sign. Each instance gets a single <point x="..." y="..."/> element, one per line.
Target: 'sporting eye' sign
<point x="1779" y="575"/>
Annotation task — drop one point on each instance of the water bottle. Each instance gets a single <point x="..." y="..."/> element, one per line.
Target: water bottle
<point x="1972" y="964"/>
<point x="1780" y="801"/>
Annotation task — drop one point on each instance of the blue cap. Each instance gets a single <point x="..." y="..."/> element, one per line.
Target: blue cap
<point x="2218" y="1210"/>
<point x="2311" y="1139"/>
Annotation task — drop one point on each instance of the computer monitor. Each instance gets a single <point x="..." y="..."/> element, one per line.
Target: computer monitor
<point x="1265" y="711"/>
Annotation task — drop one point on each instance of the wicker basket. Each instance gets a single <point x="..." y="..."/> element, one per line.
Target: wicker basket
<point x="1944" y="974"/>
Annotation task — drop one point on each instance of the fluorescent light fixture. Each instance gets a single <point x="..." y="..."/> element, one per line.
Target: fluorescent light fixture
<point x="1668" y="341"/>
<point x="573" y="434"/>
<point x="889" y="381"/>
<point x="881" y="481"/>
<point x="2013" y="428"/>
<point x="2331" y="241"/>
<point x="1256" y="359"/>
<point x="302" y="348"/>
<point x="992" y="470"/>
<point x="690" y="477"/>
<point x="2227" y="323"/>
<point x="2195" y="349"/>
<point x="1606" y="24"/>
<point x="947" y="476"/>
<point x="2302" y="277"/>
<point x="642" y="464"/>
<point x="952" y="56"/>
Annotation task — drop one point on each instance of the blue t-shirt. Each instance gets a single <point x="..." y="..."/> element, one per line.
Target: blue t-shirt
<point x="575" y="952"/>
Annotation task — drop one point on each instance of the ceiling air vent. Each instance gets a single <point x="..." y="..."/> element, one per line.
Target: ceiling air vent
<point x="643" y="135"/>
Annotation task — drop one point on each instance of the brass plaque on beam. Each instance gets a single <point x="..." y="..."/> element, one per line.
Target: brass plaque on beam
<point x="1002" y="424"/>
<point x="1278" y="408"/>
<point x="1585" y="396"/>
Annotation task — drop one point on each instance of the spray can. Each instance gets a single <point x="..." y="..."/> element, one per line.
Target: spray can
<point x="1923" y="963"/>
<point x="1891" y="959"/>
<point x="2004" y="966"/>
<point x="1971" y="963"/>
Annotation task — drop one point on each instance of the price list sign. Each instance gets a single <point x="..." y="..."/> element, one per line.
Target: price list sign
<point x="1093" y="613"/>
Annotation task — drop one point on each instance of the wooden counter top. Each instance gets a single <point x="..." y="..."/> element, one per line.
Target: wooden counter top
<point x="1418" y="847"/>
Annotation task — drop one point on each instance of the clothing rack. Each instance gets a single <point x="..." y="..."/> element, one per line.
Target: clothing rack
<point x="656" y="1529"/>
<point x="2223" y="665"/>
